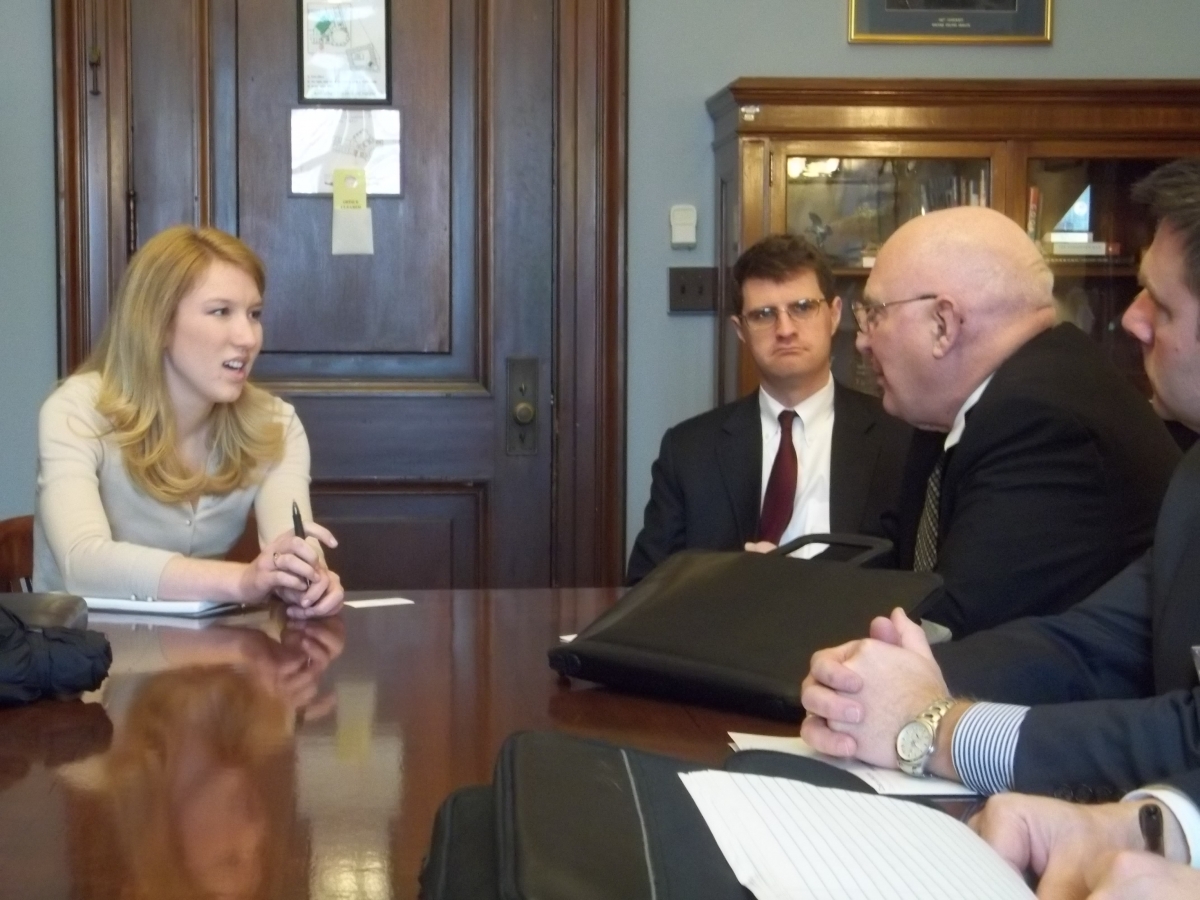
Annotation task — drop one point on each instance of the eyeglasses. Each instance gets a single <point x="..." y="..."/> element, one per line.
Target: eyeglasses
<point x="797" y="310"/>
<point x="867" y="313"/>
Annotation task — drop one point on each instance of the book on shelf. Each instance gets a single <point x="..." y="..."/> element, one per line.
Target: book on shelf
<point x="1031" y="217"/>
<point x="945" y="191"/>
<point x="1078" y="248"/>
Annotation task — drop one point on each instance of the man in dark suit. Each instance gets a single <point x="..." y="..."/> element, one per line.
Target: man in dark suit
<point x="1037" y="470"/>
<point x="1095" y="700"/>
<point x="715" y="485"/>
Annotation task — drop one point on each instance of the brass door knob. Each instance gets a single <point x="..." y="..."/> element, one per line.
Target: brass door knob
<point x="523" y="413"/>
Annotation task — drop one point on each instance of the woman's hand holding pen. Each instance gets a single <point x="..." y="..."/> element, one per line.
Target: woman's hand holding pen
<point x="291" y="567"/>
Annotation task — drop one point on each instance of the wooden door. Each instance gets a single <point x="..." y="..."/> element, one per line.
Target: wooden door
<point x="495" y="279"/>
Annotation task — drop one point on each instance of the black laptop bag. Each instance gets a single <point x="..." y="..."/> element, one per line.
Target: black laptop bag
<point x="737" y="629"/>
<point x="569" y="818"/>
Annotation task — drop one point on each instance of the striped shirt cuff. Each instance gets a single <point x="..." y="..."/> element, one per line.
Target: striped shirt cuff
<point x="984" y="746"/>
<point x="1184" y="810"/>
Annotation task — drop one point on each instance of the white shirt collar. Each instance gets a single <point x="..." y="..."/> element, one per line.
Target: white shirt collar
<point x="809" y="412"/>
<point x="960" y="421"/>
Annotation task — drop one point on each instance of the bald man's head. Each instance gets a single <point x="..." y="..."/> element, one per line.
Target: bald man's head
<point x="975" y="254"/>
<point x="985" y="291"/>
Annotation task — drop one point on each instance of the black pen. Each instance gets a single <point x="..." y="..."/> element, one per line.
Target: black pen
<point x="1150" y="821"/>
<point x="298" y="525"/>
<point x="297" y="522"/>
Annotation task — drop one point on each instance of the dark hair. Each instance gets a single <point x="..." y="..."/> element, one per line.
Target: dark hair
<point x="1173" y="194"/>
<point x="777" y="258"/>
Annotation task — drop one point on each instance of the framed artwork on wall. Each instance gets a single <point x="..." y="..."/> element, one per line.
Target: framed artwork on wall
<point x="345" y="55"/>
<point x="950" y="21"/>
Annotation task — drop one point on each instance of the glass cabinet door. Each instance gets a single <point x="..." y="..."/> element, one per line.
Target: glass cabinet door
<point x="1080" y="213"/>
<point x="848" y="206"/>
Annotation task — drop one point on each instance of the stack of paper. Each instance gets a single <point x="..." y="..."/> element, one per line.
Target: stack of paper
<point x="883" y="781"/>
<point x="786" y="839"/>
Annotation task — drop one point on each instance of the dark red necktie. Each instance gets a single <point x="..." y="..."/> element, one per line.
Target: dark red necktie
<point x="780" y="498"/>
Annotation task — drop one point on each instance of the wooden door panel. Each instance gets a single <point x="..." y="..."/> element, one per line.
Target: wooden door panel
<point x="398" y="300"/>
<point x="402" y="536"/>
<point x="164" y="72"/>
<point x="398" y="437"/>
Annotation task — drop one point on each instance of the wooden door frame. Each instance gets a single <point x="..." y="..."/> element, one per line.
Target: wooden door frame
<point x="92" y="146"/>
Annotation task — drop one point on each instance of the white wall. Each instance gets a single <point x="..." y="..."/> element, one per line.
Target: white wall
<point x="28" y="292"/>
<point x="683" y="51"/>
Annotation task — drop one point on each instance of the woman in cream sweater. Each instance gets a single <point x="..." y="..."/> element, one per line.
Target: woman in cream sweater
<point x="151" y="454"/>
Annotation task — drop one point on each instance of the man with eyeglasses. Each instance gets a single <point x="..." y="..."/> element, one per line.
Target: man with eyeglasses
<point x="1037" y="469"/>
<point x="801" y="455"/>
<point x="1098" y="699"/>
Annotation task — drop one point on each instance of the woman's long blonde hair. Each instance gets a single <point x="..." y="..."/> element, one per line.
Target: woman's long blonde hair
<point x="246" y="434"/>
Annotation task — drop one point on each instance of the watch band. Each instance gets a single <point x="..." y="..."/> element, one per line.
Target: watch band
<point x="931" y="718"/>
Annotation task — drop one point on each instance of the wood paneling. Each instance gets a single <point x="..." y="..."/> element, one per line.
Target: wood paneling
<point x="168" y="98"/>
<point x="589" y="361"/>
<point x="430" y="533"/>
<point x="333" y="304"/>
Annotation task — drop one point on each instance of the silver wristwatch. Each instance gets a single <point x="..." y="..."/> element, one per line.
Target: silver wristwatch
<point x="916" y="741"/>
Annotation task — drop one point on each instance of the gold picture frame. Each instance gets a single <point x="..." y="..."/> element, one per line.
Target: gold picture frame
<point x="951" y="21"/>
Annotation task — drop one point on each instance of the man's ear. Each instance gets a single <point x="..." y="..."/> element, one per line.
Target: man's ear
<point x="737" y="326"/>
<point x="947" y="326"/>
<point x="835" y="309"/>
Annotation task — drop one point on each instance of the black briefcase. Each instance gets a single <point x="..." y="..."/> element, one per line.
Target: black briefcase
<point x="569" y="818"/>
<point x="737" y="629"/>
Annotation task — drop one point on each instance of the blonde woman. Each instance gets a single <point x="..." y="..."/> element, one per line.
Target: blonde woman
<point x="151" y="454"/>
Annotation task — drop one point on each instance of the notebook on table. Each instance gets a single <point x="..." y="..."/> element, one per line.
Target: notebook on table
<point x="192" y="609"/>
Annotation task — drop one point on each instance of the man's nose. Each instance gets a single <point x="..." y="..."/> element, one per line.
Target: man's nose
<point x="784" y="326"/>
<point x="1138" y="319"/>
<point x="862" y="342"/>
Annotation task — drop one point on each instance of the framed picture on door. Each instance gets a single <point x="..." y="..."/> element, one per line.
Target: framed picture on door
<point x="345" y="51"/>
<point x="950" y="21"/>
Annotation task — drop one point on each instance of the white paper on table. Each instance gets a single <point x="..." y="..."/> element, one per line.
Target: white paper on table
<point x="884" y="781"/>
<point x="786" y="839"/>
<point x="567" y="638"/>
<point x="372" y="602"/>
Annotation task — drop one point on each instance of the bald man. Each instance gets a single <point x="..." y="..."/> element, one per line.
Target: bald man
<point x="1093" y="701"/>
<point x="1038" y="469"/>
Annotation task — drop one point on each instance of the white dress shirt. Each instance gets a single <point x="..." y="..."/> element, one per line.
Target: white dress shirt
<point x="812" y="436"/>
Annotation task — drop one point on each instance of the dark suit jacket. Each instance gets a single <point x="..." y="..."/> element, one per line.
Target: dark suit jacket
<point x="707" y="481"/>
<point x="1112" y="681"/>
<point x="1052" y="490"/>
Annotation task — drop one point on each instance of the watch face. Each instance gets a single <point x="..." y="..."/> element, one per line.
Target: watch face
<point x="913" y="741"/>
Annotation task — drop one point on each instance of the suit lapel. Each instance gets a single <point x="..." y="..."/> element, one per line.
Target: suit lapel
<point x="854" y="450"/>
<point x="739" y="456"/>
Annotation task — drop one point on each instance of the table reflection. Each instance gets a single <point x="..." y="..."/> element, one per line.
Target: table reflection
<point x="205" y="779"/>
<point x="244" y="758"/>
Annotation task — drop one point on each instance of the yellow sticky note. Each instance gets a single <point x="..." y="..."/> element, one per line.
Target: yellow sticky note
<point x="349" y="189"/>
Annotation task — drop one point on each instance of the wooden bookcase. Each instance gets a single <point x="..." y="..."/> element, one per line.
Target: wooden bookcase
<point x="846" y="160"/>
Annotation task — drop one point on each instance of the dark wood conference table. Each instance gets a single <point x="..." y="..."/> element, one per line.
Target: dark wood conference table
<point x="300" y="763"/>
